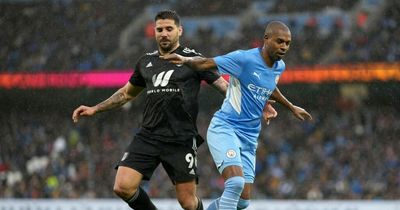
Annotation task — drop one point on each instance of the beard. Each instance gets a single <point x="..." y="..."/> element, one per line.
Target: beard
<point x="166" y="45"/>
<point x="275" y="56"/>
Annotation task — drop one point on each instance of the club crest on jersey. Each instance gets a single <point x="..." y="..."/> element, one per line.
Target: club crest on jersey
<point x="231" y="153"/>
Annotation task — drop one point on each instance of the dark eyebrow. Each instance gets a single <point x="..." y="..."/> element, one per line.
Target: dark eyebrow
<point x="282" y="40"/>
<point x="167" y="27"/>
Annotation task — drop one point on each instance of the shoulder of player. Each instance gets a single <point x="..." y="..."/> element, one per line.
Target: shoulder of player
<point x="148" y="56"/>
<point x="185" y="51"/>
<point x="153" y="53"/>
<point x="247" y="54"/>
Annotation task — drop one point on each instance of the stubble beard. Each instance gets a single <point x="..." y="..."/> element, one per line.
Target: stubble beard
<point x="167" y="48"/>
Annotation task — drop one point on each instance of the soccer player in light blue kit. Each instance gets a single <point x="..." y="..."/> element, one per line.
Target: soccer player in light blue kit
<point x="234" y="129"/>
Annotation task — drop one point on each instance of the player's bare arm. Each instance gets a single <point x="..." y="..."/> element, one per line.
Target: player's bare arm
<point x="298" y="112"/>
<point x="280" y="98"/>
<point x="119" y="98"/>
<point x="197" y="62"/>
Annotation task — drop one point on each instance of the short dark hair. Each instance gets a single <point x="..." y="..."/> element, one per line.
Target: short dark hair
<point x="168" y="14"/>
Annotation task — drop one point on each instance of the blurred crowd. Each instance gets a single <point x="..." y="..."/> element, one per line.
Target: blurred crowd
<point x="287" y="6"/>
<point x="86" y="35"/>
<point x="61" y="35"/>
<point x="376" y="43"/>
<point x="349" y="151"/>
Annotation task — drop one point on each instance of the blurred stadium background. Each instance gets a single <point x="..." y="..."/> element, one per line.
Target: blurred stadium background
<point x="343" y="66"/>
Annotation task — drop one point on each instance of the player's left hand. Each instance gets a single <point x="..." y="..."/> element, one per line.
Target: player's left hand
<point x="269" y="112"/>
<point x="301" y="113"/>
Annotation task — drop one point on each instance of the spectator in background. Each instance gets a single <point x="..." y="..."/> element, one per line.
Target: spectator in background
<point x="362" y="19"/>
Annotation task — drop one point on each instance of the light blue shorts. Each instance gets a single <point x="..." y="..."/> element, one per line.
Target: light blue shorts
<point x="228" y="147"/>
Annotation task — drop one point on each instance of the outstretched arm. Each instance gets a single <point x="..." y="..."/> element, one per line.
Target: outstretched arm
<point x="119" y="98"/>
<point x="197" y="62"/>
<point x="298" y="112"/>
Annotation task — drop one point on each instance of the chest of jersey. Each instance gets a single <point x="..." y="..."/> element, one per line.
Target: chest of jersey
<point x="159" y="73"/>
<point x="259" y="82"/>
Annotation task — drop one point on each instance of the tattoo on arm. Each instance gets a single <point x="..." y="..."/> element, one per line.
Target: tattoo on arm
<point x="116" y="100"/>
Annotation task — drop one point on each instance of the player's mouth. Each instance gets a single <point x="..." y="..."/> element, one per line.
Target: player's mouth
<point x="164" y="41"/>
<point x="280" y="54"/>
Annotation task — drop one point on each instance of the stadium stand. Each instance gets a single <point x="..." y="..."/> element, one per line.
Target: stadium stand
<point x="349" y="151"/>
<point x="86" y="35"/>
<point x="61" y="35"/>
<point x="374" y="42"/>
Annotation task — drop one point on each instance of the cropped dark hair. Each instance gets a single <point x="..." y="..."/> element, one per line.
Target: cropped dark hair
<point x="168" y="14"/>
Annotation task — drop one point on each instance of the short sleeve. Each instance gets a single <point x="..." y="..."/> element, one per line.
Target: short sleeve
<point x="231" y="63"/>
<point x="208" y="76"/>
<point x="137" y="78"/>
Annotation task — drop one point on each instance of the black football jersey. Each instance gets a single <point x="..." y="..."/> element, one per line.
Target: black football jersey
<point x="171" y="96"/>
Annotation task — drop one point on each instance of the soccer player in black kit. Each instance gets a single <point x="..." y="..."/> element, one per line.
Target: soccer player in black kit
<point x="168" y="133"/>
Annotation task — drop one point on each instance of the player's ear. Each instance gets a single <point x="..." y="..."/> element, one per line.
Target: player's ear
<point x="180" y="30"/>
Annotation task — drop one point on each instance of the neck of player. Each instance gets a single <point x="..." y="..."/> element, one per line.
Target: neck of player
<point x="267" y="59"/>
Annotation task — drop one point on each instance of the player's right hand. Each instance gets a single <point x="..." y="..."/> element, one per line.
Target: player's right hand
<point x="82" y="111"/>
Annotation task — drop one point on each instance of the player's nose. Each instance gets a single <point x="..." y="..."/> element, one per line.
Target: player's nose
<point x="164" y="33"/>
<point x="284" y="47"/>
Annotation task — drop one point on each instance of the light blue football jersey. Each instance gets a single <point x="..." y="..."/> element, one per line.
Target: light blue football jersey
<point x="251" y="83"/>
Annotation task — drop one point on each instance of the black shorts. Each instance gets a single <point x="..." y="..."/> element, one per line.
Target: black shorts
<point x="179" y="161"/>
